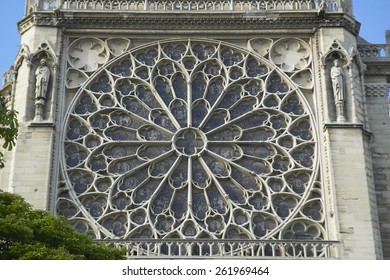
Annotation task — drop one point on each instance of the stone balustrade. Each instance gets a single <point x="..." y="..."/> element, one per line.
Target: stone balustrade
<point x="7" y="78"/>
<point x="374" y="50"/>
<point x="6" y="88"/>
<point x="248" y="249"/>
<point x="189" y="5"/>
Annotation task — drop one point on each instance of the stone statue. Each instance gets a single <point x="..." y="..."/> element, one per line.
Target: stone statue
<point x="338" y="85"/>
<point x="42" y="75"/>
<point x="322" y="9"/>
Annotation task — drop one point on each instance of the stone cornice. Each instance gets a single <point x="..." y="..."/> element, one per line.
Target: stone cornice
<point x="378" y="67"/>
<point x="198" y="21"/>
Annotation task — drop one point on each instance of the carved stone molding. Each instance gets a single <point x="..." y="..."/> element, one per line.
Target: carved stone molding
<point x="380" y="67"/>
<point x="377" y="90"/>
<point x="230" y="21"/>
<point x="207" y="23"/>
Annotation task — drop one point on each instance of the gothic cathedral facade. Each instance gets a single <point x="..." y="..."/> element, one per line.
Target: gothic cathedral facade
<point x="211" y="128"/>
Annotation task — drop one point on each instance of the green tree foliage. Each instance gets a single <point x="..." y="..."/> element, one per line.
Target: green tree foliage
<point x="27" y="234"/>
<point x="8" y="128"/>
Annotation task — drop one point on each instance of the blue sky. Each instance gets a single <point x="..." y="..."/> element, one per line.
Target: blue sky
<point x="374" y="15"/>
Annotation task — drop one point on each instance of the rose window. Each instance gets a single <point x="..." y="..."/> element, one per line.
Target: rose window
<point x="192" y="139"/>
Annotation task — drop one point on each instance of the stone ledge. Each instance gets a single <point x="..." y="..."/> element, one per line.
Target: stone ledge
<point x="346" y="125"/>
<point x="42" y="124"/>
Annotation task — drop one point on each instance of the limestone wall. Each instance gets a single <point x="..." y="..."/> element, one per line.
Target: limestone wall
<point x="378" y="112"/>
<point x="28" y="165"/>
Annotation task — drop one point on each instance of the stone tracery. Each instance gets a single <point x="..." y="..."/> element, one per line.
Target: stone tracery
<point x="193" y="139"/>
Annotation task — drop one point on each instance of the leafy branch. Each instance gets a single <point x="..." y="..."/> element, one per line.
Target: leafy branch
<point x="8" y="128"/>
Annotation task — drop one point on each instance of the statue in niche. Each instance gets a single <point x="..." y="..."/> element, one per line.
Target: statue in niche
<point x="338" y="85"/>
<point x="42" y="76"/>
